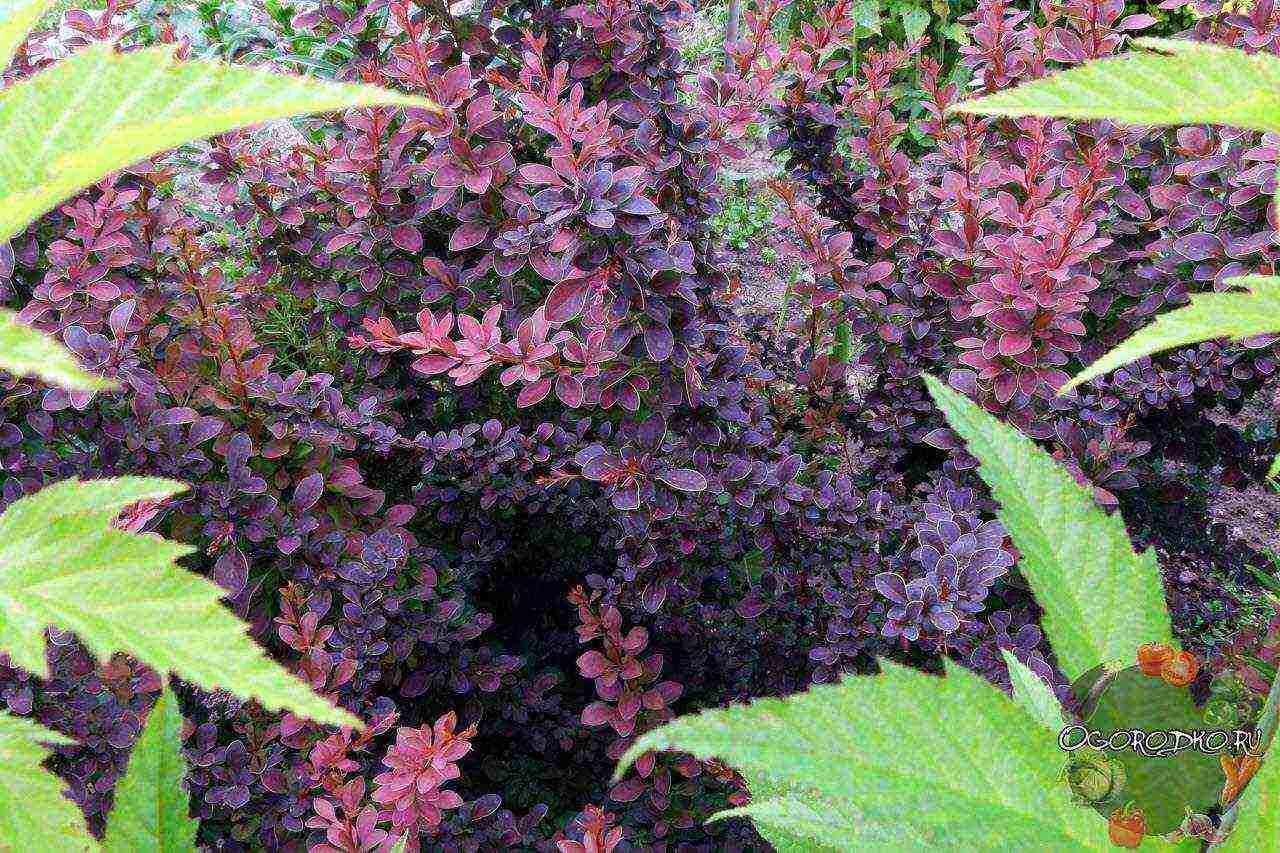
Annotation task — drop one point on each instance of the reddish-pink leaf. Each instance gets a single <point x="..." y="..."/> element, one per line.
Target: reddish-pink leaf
<point x="566" y="300"/>
<point x="467" y="235"/>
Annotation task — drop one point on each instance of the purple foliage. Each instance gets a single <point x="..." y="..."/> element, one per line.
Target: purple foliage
<point x="482" y="448"/>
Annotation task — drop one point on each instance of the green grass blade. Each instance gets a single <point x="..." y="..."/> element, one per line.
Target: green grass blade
<point x="1035" y="697"/>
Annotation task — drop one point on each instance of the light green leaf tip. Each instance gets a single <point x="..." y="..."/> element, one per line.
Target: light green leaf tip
<point x="17" y="17"/>
<point x="899" y="761"/>
<point x="25" y="351"/>
<point x="32" y="805"/>
<point x="63" y="564"/>
<point x="151" y="813"/>
<point x="61" y="134"/>
<point x="1169" y="82"/>
<point x="1035" y="697"/>
<point x="788" y="823"/>
<point x="1210" y="316"/>
<point x="1100" y="599"/>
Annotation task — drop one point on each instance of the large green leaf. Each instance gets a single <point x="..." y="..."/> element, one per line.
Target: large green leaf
<point x="17" y="17"/>
<point x="32" y="807"/>
<point x="151" y="813"/>
<point x="899" y="761"/>
<point x="1234" y="314"/>
<point x="1101" y="600"/>
<point x="1170" y="82"/>
<point x="98" y="111"/>
<point x="63" y="564"/>
<point x="25" y="351"/>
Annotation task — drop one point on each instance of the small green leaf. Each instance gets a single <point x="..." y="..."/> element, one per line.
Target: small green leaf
<point x="32" y="805"/>
<point x="61" y="134"/>
<point x="1101" y="600"/>
<point x="898" y="761"/>
<point x="957" y="33"/>
<point x="914" y="23"/>
<point x="866" y="13"/>
<point x="1035" y="697"/>
<point x="25" y="351"/>
<point x="1210" y="316"/>
<point x="63" y="564"/>
<point x="1173" y="81"/>
<point x="151" y="812"/>
<point x="17" y="17"/>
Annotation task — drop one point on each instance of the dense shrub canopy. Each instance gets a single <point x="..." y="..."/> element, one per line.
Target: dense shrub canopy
<point x="483" y="445"/>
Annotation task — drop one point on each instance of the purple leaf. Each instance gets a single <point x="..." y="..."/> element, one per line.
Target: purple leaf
<point x="684" y="479"/>
<point x="307" y="493"/>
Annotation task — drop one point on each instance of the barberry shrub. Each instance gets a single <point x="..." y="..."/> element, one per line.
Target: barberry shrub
<point x="73" y="557"/>
<point x="1171" y="82"/>
<point x="481" y="447"/>
<point x="905" y="760"/>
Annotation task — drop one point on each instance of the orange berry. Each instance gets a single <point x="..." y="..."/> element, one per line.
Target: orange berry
<point x="1152" y="658"/>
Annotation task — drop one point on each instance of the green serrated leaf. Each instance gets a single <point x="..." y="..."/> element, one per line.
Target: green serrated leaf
<point x="957" y="33"/>
<point x="1234" y="315"/>
<point x="1035" y="697"/>
<point x="63" y="564"/>
<point x="25" y="351"/>
<point x="151" y="811"/>
<point x="911" y="761"/>
<point x="17" y="18"/>
<point x="1100" y="599"/>
<point x="1173" y="81"/>
<point x="32" y="806"/>
<point x="61" y="134"/>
